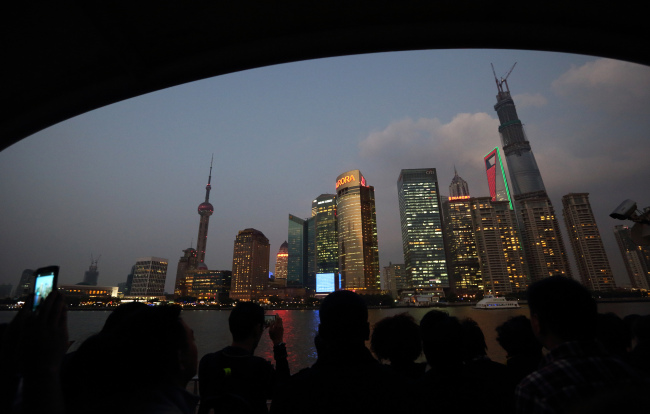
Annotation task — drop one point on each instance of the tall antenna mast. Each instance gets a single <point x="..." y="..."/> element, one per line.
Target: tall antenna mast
<point x="208" y="187"/>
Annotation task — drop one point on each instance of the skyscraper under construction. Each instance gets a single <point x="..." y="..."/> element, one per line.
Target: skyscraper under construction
<point x="543" y="246"/>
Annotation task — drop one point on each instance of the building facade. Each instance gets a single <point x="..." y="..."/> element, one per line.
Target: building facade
<point x="323" y="210"/>
<point x="149" y="277"/>
<point x="588" y="249"/>
<point x="422" y="229"/>
<point x="464" y="266"/>
<point x="498" y="246"/>
<point x="542" y="241"/>
<point x="186" y="264"/>
<point x="208" y="285"/>
<point x="635" y="257"/>
<point x="395" y="279"/>
<point x="297" y="250"/>
<point x="358" y="251"/>
<point x="281" y="262"/>
<point x="250" y="265"/>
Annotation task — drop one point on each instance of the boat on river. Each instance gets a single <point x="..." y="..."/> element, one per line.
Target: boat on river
<point x="496" y="302"/>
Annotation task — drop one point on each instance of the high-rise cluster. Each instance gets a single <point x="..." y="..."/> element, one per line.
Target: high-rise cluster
<point x="336" y="248"/>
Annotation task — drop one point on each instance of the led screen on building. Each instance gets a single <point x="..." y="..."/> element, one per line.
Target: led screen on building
<point x="325" y="282"/>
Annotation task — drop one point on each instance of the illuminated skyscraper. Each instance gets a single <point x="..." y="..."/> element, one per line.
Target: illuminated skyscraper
<point x="422" y="234"/>
<point x="205" y="211"/>
<point x="636" y="258"/>
<point x="149" y="277"/>
<point x="588" y="249"/>
<point x="357" y="233"/>
<point x="540" y="234"/>
<point x="281" y="265"/>
<point x="498" y="247"/>
<point x="323" y="210"/>
<point x="464" y="266"/>
<point x="250" y="265"/>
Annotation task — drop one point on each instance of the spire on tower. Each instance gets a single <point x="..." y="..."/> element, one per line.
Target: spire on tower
<point x="209" y="187"/>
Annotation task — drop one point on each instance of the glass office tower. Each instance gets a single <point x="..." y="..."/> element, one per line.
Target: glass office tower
<point x="357" y="233"/>
<point x="149" y="277"/>
<point x="323" y="210"/>
<point x="421" y="221"/>
<point x="297" y="262"/>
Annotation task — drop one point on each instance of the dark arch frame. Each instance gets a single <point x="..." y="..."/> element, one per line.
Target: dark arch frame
<point x="65" y="58"/>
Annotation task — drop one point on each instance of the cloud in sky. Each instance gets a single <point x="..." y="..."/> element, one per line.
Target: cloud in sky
<point x="605" y="84"/>
<point x="428" y="141"/>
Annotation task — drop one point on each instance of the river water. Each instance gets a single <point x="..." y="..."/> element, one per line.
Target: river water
<point x="300" y="326"/>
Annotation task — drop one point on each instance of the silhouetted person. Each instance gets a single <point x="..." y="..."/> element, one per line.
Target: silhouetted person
<point x="397" y="339"/>
<point x="613" y="334"/>
<point x="442" y="387"/>
<point x="493" y="395"/>
<point x="76" y="369"/>
<point x="577" y="368"/>
<point x="523" y="350"/>
<point x="32" y="348"/>
<point x="639" y="356"/>
<point x="141" y="365"/>
<point x="345" y="378"/>
<point x="233" y="379"/>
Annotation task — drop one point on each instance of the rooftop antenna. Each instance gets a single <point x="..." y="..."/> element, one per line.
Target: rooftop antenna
<point x="209" y="186"/>
<point x="503" y="80"/>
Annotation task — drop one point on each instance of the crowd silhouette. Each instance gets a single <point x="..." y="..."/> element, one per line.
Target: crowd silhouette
<point x="563" y="358"/>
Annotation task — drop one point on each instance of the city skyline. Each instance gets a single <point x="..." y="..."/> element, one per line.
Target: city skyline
<point x="121" y="181"/>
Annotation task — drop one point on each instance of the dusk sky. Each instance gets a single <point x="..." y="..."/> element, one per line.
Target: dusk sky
<point x="125" y="181"/>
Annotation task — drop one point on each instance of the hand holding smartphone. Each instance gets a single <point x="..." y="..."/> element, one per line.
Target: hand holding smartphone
<point x="44" y="283"/>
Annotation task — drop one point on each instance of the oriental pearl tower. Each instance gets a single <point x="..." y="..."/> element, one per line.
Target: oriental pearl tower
<point x="205" y="211"/>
